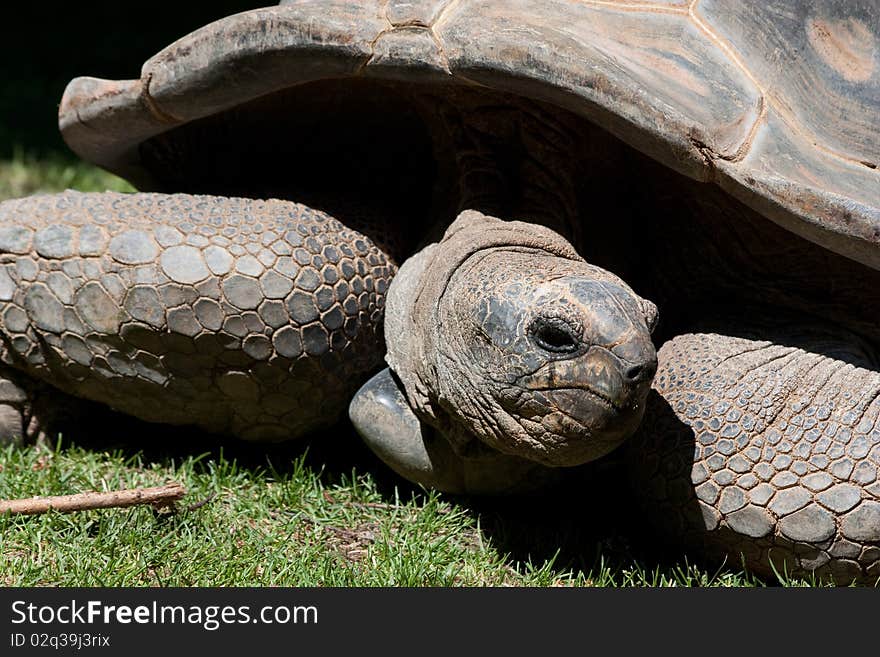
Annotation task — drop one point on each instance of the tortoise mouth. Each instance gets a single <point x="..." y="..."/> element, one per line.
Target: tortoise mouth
<point x="580" y="419"/>
<point x="596" y="396"/>
<point x="595" y="411"/>
<point x="579" y="425"/>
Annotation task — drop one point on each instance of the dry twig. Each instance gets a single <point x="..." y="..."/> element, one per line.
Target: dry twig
<point x="158" y="496"/>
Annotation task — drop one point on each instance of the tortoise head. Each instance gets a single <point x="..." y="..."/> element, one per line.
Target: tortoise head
<point x="502" y="333"/>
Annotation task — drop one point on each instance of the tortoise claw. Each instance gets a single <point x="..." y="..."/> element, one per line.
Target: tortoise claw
<point x="417" y="452"/>
<point x="383" y="418"/>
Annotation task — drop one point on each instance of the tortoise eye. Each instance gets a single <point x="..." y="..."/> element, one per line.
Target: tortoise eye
<point x="554" y="335"/>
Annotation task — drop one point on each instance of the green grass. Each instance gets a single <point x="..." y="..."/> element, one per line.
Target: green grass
<point x="331" y="515"/>
<point x="25" y="174"/>
<point x="260" y="527"/>
<point x="300" y="526"/>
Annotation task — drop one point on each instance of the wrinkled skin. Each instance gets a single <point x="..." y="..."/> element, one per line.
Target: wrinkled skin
<point x="542" y="359"/>
<point x="568" y="356"/>
<point x="527" y="352"/>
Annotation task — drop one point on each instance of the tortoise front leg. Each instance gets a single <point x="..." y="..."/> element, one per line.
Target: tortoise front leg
<point x="764" y="446"/>
<point x="247" y="317"/>
<point x="34" y="412"/>
<point x="19" y="421"/>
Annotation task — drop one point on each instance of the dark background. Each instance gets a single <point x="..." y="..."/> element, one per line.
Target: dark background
<point x="43" y="45"/>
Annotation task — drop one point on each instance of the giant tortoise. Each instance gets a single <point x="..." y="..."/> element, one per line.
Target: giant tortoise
<point x="506" y="155"/>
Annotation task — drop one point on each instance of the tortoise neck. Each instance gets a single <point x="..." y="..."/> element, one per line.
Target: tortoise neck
<point x="513" y="160"/>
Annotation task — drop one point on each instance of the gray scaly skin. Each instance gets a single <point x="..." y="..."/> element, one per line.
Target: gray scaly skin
<point x="766" y="448"/>
<point x="244" y="317"/>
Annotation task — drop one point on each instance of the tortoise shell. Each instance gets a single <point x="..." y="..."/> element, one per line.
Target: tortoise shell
<point x="778" y="103"/>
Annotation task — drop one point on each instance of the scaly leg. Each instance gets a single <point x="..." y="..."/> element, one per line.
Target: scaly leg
<point x="765" y="446"/>
<point x="32" y="411"/>
<point x="251" y="318"/>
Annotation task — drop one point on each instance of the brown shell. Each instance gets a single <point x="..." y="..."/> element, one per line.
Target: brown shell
<point x="776" y="102"/>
